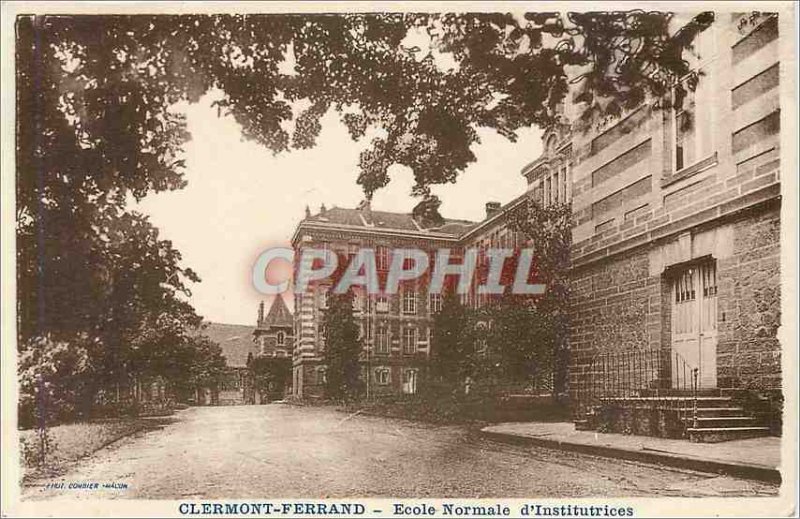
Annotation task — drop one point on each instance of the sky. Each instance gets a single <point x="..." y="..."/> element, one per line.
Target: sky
<point x="241" y="198"/>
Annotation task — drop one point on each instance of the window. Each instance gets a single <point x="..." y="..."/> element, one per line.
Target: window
<point x="409" y="381"/>
<point x="358" y="301"/>
<point x="382" y="258"/>
<point x="556" y="187"/>
<point x="435" y="303"/>
<point x="693" y="111"/>
<point x="382" y="347"/>
<point x="383" y="376"/>
<point x="564" y="185"/>
<point x="321" y="334"/>
<point x="684" y="287"/>
<point x="548" y="191"/>
<point x="409" y="301"/>
<point x="409" y="341"/>
<point x="709" y="275"/>
<point x="281" y="338"/>
<point x="381" y="304"/>
<point x="322" y="375"/>
<point x="322" y="293"/>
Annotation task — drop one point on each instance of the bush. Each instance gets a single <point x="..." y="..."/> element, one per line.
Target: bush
<point x="35" y="451"/>
<point x="52" y="376"/>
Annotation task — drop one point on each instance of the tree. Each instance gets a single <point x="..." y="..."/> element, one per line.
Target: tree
<point x="270" y="374"/>
<point x="107" y="84"/>
<point x="204" y="366"/>
<point x="453" y="344"/>
<point x="342" y="348"/>
<point x="549" y="231"/>
<point x="97" y="126"/>
<point x="521" y="342"/>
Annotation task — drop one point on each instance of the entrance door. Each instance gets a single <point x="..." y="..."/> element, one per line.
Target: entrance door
<point x="694" y="325"/>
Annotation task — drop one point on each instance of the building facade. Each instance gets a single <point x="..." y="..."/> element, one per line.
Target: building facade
<point x="676" y="243"/>
<point x="395" y="328"/>
<point x="274" y="332"/>
<point x="675" y="278"/>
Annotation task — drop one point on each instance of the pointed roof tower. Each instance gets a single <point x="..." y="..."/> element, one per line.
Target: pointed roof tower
<point x="278" y="315"/>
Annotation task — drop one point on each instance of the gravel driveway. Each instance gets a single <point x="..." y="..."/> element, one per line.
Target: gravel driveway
<point x="279" y="451"/>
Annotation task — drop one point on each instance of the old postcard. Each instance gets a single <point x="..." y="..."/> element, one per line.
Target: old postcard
<point x="379" y="259"/>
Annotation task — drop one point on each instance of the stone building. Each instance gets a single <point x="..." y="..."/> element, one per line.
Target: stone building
<point x="675" y="278"/>
<point x="274" y="333"/>
<point x="395" y="328"/>
<point x="676" y="252"/>
<point x="274" y="340"/>
<point x="236" y="342"/>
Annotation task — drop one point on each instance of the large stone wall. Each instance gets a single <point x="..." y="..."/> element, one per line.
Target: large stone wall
<point x="624" y="303"/>
<point x="748" y="351"/>
<point x="616" y="306"/>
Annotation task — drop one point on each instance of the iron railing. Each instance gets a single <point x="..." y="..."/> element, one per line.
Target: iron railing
<point x="658" y="376"/>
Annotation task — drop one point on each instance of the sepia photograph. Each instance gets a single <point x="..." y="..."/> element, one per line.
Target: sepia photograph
<point x="371" y="259"/>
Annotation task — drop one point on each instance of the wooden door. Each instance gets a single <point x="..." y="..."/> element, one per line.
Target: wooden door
<point x="694" y="326"/>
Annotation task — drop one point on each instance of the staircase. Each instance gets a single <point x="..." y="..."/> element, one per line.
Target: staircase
<point x="718" y="418"/>
<point x="654" y="393"/>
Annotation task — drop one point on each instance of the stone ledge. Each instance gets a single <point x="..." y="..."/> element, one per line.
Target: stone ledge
<point x="667" y="229"/>
<point x="657" y="452"/>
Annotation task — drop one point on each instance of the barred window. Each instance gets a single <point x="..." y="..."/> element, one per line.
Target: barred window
<point x="409" y="301"/>
<point x="382" y="258"/>
<point x="382" y="346"/>
<point x="409" y="340"/>
<point x="381" y="304"/>
<point x="435" y="303"/>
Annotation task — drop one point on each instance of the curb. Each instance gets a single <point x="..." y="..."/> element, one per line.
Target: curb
<point x="740" y="470"/>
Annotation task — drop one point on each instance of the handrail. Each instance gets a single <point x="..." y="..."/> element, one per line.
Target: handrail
<point x="616" y="375"/>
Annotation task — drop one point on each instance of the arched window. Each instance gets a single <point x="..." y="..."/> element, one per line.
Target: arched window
<point x="281" y="338"/>
<point x="551" y="145"/>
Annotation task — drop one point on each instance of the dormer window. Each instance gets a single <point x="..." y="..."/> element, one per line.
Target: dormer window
<point x="551" y="145"/>
<point x="281" y="338"/>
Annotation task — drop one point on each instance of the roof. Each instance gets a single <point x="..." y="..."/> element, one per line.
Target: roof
<point x="278" y="315"/>
<point x="236" y="341"/>
<point x="384" y="220"/>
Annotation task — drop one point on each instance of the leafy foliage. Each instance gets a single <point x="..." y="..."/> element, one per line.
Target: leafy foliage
<point x="514" y="338"/>
<point x="549" y="231"/>
<point x="453" y="344"/>
<point x="270" y="374"/>
<point x="98" y="126"/>
<point x="342" y="348"/>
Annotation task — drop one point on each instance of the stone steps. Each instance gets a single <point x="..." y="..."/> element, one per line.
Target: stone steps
<point x="704" y="422"/>
<point x="719" y="416"/>
<point x="716" y="411"/>
<point x="722" y="434"/>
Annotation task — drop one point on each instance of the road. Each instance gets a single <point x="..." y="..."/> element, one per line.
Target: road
<point x="279" y="451"/>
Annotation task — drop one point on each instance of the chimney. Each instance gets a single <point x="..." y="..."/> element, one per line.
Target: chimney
<point x="491" y="209"/>
<point x="308" y="212"/>
<point x="260" y="312"/>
